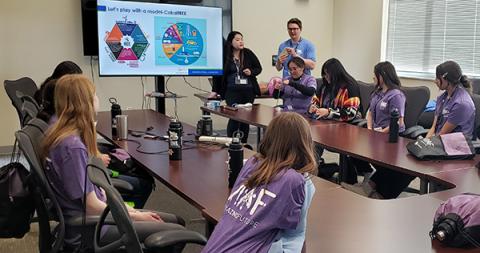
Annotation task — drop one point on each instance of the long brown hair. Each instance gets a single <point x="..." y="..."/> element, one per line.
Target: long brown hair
<point x="74" y="95"/>
<point x="287" y="144"/>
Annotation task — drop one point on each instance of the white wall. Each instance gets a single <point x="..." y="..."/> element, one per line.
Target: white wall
<point x="37" y="35"/>
<point x="357" y="29"/>
<point x="264" y="26"/>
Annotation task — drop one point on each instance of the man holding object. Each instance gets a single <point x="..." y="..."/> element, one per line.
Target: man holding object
<point x="296" y="46"/>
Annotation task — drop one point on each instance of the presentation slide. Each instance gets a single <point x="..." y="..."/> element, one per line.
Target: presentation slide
<point x="149" y="39"/>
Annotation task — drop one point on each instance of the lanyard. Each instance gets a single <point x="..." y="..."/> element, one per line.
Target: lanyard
<point x="295" y="47"/>
<point x="237" y="66"/>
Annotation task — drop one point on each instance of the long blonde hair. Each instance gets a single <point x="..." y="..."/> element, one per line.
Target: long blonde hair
<point x="74" y="98"/>
<point x="287" y="144"/>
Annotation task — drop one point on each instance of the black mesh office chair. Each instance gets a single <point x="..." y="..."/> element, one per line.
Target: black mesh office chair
<point x="16" y="89"/>
<point x="416" y="100"/>
<point x="366" y="90"/>
<point x="29" y="140"/>
<point x="476" y="130"/>
<point x="168" y="238"/>
<point x="29" y="109"/>
<point x="475" y="86"/>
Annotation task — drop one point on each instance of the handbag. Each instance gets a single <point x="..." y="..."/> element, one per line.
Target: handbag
<point x="457" y="221"/>
<point x="444" y="147"/>
<point x="16" y="201"/>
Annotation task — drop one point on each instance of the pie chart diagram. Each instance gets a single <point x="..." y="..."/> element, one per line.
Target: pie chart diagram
<point x="182" y="43"/>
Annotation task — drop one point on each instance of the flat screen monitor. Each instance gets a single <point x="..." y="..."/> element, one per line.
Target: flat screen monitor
<point x="151" y="39"/>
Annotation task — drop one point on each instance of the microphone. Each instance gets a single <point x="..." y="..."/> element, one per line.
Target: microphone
<point x="219" y="140"/>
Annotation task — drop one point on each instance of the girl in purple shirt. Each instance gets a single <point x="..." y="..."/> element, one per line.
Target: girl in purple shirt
<point x="385" y="183"/>
<point x="455" y="111"/>
<point x="67" y="145"/>
<point x="297" y="89"/>
<point x="267" y="207"/>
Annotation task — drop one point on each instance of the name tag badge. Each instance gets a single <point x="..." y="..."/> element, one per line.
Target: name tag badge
<point x="242" y="81"/>
<point x="383" y="105"/>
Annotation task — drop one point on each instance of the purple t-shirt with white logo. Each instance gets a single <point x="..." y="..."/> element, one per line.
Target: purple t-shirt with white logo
<point x="459" y="110"/>
<point x="294" y="100"/>
<point x="382" y="104"/>
<point x="254" y="217"/>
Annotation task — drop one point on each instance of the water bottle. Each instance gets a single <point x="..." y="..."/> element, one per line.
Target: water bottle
<point x="114" y="111"/>
<point x="205" y="126"/>
<point x="175" y="132"/>
<point x="235" y="160"/>
<point x="393" y="132"/>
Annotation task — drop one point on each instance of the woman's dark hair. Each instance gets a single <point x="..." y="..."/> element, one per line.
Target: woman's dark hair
<point x="228" y="49"/>
<point x="48" y="101"/>
<point x="297" y="61"/>
<point x="63" y="68"/>
<point x="339" y="77"/>
<point x="452" y="72"/>
<point x="386" y="70"/>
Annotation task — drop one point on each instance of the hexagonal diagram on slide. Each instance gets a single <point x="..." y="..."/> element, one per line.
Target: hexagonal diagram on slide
<point x="126" y="42"/>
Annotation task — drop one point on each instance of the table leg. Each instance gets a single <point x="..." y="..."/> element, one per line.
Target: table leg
<point x="347" y="175"/>
<point x="423" y="186"/>
<point x="259" y="136"/>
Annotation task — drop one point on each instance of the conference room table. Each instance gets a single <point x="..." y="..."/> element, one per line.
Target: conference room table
<point x="357" y="142"/>
<point x="338" y="221"/>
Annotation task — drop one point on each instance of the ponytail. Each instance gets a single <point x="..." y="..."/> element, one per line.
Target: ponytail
<point x="466" y="83"/>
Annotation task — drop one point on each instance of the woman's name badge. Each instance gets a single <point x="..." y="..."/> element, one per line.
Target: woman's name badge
<point x="241" y="81"/>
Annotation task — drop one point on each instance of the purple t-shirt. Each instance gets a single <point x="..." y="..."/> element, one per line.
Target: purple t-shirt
<point x="459" y="110"/>
<point x="65" y="170"/>
<point x="293" y="99"/>
<point x="254" y="217"/>
<point x="382" y="104"/>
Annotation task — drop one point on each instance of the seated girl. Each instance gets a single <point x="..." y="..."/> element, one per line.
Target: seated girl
<point x="67" y="145"/>
<point x="338" y="97"/>
<point x="296" y="90"/>
<point x="267" y="208"/>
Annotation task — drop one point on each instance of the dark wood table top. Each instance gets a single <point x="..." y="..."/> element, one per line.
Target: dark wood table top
<point x="200" y="177"/>
<point x="258" y="115"/>
<point x="373" y="146"/>
<point x="341" y="221"/>
<point x="465" y="180"/>
<point x="204" y="96"/>
<point x="338" y="221"/>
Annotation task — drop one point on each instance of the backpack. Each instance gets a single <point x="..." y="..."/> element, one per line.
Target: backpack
<point x="457" y="221"/>
<point x="444" y="147"/>
<point x="16" y="201"/>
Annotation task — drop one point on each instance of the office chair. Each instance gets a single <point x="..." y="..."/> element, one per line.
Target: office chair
<point x="29" y="110"/>
<point x="169" y="238"/>
<point x="16" y="89"/>
<point x="366" y="90"/>
<point x="476" y="129"/>
<point x="475" y="86"/>
<point x="47" y="208"/>
<point x="416" y="100"/>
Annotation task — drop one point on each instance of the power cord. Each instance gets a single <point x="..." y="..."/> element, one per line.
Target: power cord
<point x="143" y="92"/>
<point x="91" y="69"/>
<point x="193" y="87"/>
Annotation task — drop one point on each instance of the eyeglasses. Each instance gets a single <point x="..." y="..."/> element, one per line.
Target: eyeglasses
<point x="293" y="29"/>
